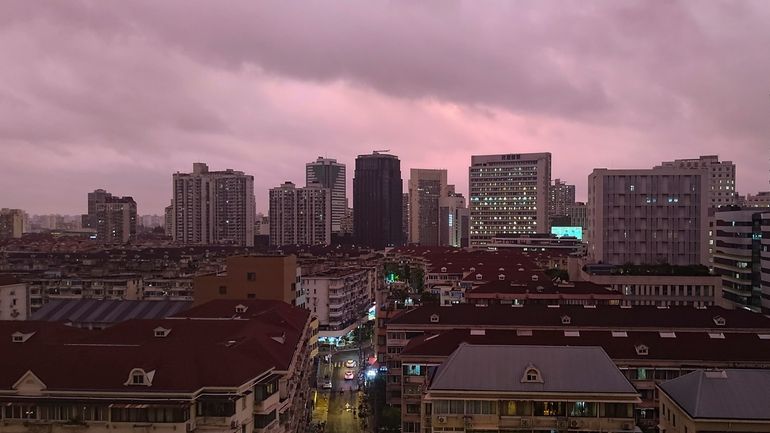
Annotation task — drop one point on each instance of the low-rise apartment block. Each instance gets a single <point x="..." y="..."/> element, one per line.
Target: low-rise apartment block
<point x="524" y="388"/>
<point x="238" y="366"/>
<point x="340" y="298"/>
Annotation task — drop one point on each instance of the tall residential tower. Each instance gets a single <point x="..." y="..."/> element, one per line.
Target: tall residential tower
<point x="426" y="188"/>
<point x="330" y="174"/>
<point x="213" y="207"/>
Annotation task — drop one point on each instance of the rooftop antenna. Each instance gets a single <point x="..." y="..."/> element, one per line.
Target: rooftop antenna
<point x="377" y="152"/>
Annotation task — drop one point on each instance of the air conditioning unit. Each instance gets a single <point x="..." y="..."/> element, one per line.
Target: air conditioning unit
<point x="628" y="426"/>
<point x="441" y="419"/>
<point x="526" y="422"/>
<point x="573" y="423"/>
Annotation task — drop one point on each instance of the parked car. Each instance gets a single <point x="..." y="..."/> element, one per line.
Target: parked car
<point x="350" y="363"/>
<point x="327" y="384"/>
<point x="349" y="375"/>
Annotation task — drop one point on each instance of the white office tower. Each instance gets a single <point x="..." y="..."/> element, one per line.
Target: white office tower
<point x="508" y="195"/>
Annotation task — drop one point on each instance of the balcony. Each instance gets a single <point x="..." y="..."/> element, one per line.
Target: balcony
<point x="268" y="405"/>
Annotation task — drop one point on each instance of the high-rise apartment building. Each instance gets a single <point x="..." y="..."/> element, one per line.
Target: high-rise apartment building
<point x="577" y="215"/>
<point x="561" y="197"/>
<point x="330" y="174"/>
<point x="168" y="219"/>
<point x="115" y="220"/>
<point x="648" y="216"/>
<point x="377" y="200"/>
<point x="213" y="207"/>
<point x="426" y="188"/>
<point x="94" y="198"/>
<point x="721" y="177"/>
<point x="300" y="216"/>
<point x="405" y="217"/>
<point x="508" y="195"/>
<point x="453" y="219"/>
<point x="760" y="199"/>
<point x="742" y="256"/>
<point x="12" y="223"/>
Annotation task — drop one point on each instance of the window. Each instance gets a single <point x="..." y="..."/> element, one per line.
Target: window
<point x="20" y="411"/>
<point x="217" y="408"/>
<point x="413" y="370"/>
<point x="549" y="408"/>
<point x="583" y="408"/>
<point x="515" y="408"/>
<point x="262" y="421"/>
<point x="481" y="407"/>
<point x="137" y="378"/>
<point x="251" y="276"/>
<point x="532" y="374"/>
<point x="412" y="408"/>
<point x="617" y="410"/>
<point x="449" y="407"/>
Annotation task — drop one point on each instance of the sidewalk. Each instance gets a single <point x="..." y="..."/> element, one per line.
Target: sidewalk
<point x="321" y="411"/>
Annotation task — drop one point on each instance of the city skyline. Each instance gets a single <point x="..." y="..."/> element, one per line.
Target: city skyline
<point x="629" y="84"/>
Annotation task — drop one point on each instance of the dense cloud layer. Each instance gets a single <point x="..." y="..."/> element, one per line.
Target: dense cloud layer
<point x="121" y="94"/>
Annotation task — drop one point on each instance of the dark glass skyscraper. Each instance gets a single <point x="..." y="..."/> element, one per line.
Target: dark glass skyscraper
<point x="377" y="201"/>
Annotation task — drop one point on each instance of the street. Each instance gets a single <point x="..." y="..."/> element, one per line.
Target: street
<point x="339" y="417"/>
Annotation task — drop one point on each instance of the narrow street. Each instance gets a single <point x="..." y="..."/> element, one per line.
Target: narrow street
<point x="340" y="404"/>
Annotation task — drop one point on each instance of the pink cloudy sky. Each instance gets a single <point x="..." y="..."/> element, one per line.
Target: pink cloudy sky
<point x="120" y="94"/>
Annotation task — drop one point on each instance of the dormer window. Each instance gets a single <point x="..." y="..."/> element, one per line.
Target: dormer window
<point x="566" y="320"/>
<point x="478" y="277"/>
<point x="641" y="349"/>
<point x="443" y="269"/>
<point x="532" y="375"/>
<point x="501" y="277"/>
<point x="240" y="308"/>
<point x="472" y="269"/>
<point x="535" y="278"/>
<point x="434" y="318"/>
<point x="161" y="332"/>
<point x="21" y="337"/>
<point x="138" y="377"/>
<point x="720" y="321"/>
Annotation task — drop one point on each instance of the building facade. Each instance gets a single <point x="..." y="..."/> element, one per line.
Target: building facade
<point x="453" y="220"/>
<point x="11" y="223"/>
<point x="14" y="299"/>
<point x="377" y="201"/>
<point x="499" y="387"/>
<point x="508" y="195"/>
<point x="561" y="197"/>
<point x="330" y="174"/>
<point x="426" y="188"/>
<point x="742" y="256"/>
<point x="648" y="216"/>
<point x="116" y="220"/>
<point x="213" y="207"/>
<point x="300" y="216"/>
<point x="720" y="174"/>
<point x="339" y="298"/>
<point x="253" y="277"/>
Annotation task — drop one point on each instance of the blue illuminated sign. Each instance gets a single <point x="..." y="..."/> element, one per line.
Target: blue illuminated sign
<point x="572" y="232"/>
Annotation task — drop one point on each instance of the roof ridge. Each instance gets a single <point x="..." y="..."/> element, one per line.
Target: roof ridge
<point x="701" y="374"/>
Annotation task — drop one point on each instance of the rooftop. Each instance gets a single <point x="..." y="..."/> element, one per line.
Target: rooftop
<point x="505" y="369"/>
<point x="723" y="394"/>
<point x="106" y="311"/>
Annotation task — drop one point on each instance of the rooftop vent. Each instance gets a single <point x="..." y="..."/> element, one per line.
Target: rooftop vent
<point x="619" y="334"/>
<point x="501" y="277"/>
<point x="434" y="318"/>
<point x="720" y="321"/>
<point x="535" y="278"/>
<point x="501" y="269"/>
<point x="478" y="332"/>
<point x="572" y="333"/>
<point x="161" y="331"/>
<point x="625" y="307"/>
<point x="553" y="305"/>
<point x="566" y="320"/>
<point x="667" y="334"/>
<point x="240" y="308"/>
<point x="764" y="336"/>
<point x="715" y="374"/>
<point x="521" y="269"/>
<point x="641" y="349"/>
<point x="523" y="332"/>
<point x="21" y="337"/>
<point x="717" y="335"/>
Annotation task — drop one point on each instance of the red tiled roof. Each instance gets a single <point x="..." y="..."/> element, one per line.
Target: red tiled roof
<point x="686" y="346"/>
<point x="606" y="317"/>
